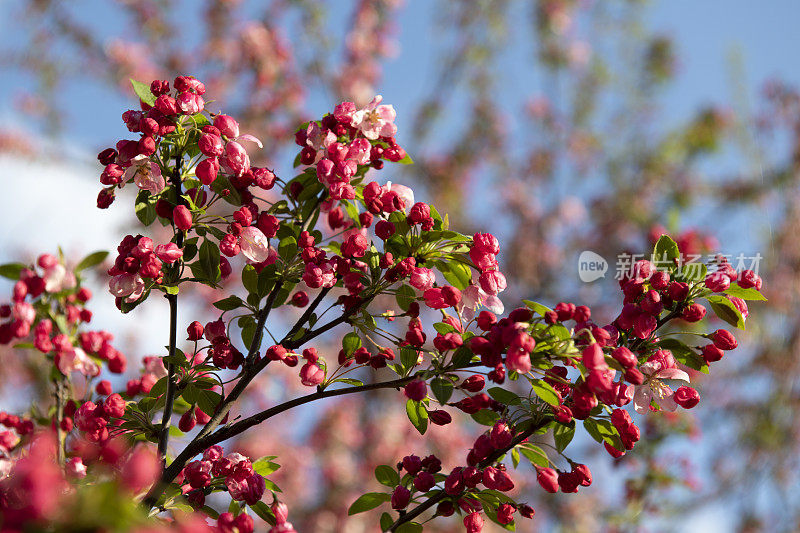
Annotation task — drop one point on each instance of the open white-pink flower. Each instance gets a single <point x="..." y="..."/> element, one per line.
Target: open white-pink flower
<point x="126" y="285"/>
<point x="76" y="360"/>
<point x="146" y="174"/>
<point x="405" y="193"/>
<point x="654" y="388"/>
<point x="474" y="297"/>
<point x="376" y="120"/>
<point x="57" y="278"/>
<point x="254" y="244"/>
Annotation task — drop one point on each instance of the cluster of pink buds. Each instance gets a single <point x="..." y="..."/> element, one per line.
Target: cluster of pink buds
<point x="17" y="427"/>
<point x="223" y="353"/>
<point x="349" y="139"/>
<point x="234" y="470"/>
<point x="491" y="281"/>
<point x="509" y="335"/>
<point x="93" y="419"/>
<point x="51" y="278"/>
<point x="53" y="336"/>
<point x="131" y="159"/>
<point x="422" y="472"/>
<point x="138" y="259"/>
<point x="553" y="480"/>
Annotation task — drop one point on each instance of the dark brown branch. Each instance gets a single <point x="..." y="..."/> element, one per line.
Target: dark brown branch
<point x="169" y="400"/>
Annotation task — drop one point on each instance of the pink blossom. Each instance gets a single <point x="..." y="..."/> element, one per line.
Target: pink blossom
<point x="311" y="375"/>
<point x="405" y="193"/>
<point x="654" y="388"/>
<point x="75" y="467"/>
<point x="319" y="139"/>
<point x="474" y="297"/>
<point x="8" y="441"/>
<point x="375" y="120"/>
<point x="154" y="365"/>
<point x="254" y="244"/>
<point x="235" y="161"/>
<point x="422" y="278"/>
<point x="359" y="151"/>
<point x="76" y="360"/>
<point x="169" y="253"/>
<point x="127" y="285"/>
<point x="24" y="311"/>
<point x="57" y="278"/>
<point x="146" y="174"/>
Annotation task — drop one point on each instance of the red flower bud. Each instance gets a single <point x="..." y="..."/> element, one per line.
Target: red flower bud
<point x="182" y="217"/>
<point x="686" y="397"/>
<point x="417" y="390"/>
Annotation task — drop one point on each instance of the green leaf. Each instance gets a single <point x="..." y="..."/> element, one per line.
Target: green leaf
<point x="536" y="307"/>
<point x="229" y="304"/>
<point x="443" y="328"/>
<point x="406" y="160"/>
<point x="249" y="328"/>
<point x="351" y="342"/>
<point x="12" y="270"/>
<point x="405" y="296"/>
<point x="408" y="357"/>
<point x="442" y="389"/>
<point x="515" y="457"/>
<point x="206" y="400"/>
<point x="726" y="310"/>
<point x="462" y="357"/>
<point x="287" y="248"/>
<point x="145" y="207"/>
<point x="386" y="475"/>
<point x="349" y="381"/>
<point x="545" y="391"/>
<point x="209" y="259"/>
<point x="503" y="396"/>
<point x="485" y="417"/>
<point x="603" y="430"/>
<point x="744" y="294"/>
<point x="386" y="521"/>
<point x="210" y="511"/>
<point x="91" y="260"/>
<point x="563" y="434"/>
<point x="142" y="90"/>
<point x="665" y="252"/>
<point x="234" y="508"/>
<point x="171" y="289"/>
<point x="368" y="501"/>
<point x="534" y="454"/>
<point x="418" y="415"/>
<point x="250" y="279"/>
<point x="457" y="274"/>
<point x="264" y="512"/>
<point x="265" y="466"/>
<point x="224" y="184"/>
<point x="694" y="271"/>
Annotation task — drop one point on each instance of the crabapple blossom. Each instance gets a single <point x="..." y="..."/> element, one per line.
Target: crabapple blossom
<point x="146" y="174"/>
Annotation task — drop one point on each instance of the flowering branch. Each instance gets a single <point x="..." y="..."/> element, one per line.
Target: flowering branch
<point x="408" y="516"/>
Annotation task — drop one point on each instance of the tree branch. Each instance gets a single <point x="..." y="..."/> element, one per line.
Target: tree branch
<point x="60" y="401"/>
<point x="232" y="430"/>
<point x="169" y="399"/>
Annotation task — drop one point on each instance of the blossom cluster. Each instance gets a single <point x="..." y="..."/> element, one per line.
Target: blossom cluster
<point x="334" y="232"/>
